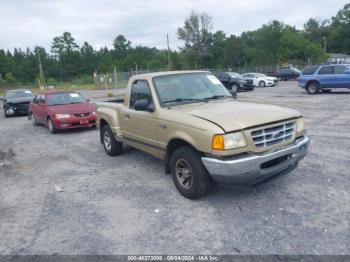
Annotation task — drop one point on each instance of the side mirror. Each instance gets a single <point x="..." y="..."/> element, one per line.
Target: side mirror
<point x="88" y="100"/>
<point x="144" y="105"/>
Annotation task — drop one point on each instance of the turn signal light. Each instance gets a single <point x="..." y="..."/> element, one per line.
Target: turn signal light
<point x="218" y="142"/>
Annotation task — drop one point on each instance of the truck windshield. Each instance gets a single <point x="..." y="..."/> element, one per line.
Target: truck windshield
<point x="189" y="88"/>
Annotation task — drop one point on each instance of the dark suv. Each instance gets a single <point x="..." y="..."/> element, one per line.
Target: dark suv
<point x="286" y="74"/>
<point x="325" y="78"/>
<point x="235" y="82"/>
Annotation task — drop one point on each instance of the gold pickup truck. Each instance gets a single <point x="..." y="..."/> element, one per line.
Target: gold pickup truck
<point x="189" y="120"/>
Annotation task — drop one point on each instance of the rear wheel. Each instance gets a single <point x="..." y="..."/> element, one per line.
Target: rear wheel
<point x="188" y="173"/>
<point x="110" y="144"/>
<point x="33" y="119"/>
<point x="51" y="126"/>
<point x="313" y="88"/>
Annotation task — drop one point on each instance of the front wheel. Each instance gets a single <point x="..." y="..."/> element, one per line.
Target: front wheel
<point x="111" y="146"/>
<point x="262" y="84"/>
<point x="51" y="126"/>
<point x="188" y="173"/>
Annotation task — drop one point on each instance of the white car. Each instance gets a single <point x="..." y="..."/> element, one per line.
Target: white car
<point x="261" y="80"/>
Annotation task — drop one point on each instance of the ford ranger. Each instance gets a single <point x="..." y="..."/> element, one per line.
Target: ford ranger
<point x="190" y="120"/>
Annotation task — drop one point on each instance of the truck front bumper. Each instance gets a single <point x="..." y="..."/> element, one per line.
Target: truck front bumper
<point x="252" y="169"/>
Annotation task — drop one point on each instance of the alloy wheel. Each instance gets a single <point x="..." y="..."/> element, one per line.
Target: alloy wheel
<point x="107" y="141"/>
<point x="184" y="173"/>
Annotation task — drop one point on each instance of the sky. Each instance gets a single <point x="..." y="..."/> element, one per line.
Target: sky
<point x="28" y="23"/>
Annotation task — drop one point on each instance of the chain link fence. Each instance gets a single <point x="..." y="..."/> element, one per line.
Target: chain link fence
<point x="116" y="79"/>
<point x="120" y="79"/>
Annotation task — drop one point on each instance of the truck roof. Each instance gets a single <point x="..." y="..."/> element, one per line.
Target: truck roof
<point x="151" y="75"/>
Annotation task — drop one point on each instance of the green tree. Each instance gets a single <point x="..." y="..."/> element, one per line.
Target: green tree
<point x="196" y="33"/>
<point x="339" y="35"/>
<point x="66" y="51"/>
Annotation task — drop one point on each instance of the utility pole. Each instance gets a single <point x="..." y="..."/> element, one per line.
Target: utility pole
<point x="167" y="41"/>
<point x="41" y="74"/>
<point x="325" y="43"/>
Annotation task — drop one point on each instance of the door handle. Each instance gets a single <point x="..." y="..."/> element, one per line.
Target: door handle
<point x="126" y="116"/>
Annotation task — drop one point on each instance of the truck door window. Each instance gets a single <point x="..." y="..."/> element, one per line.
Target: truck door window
<point x="326" y="70"/>
<point x="139" y="90"/>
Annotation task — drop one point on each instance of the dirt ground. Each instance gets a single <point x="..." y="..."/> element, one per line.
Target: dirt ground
<point x="61" y="194"/>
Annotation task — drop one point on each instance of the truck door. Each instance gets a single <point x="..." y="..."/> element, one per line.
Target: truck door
<point x="139" y="127"/>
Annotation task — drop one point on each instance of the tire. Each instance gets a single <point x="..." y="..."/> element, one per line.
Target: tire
<point x="33" y="119"/>
<point x="235" y="88"/>
<point x="111" y="146"/>
<point x="51" y="126"/>
<point x="313" y="88"/>
<point x="327" y="91"/>
<point x="5" y="114"/>
<point x="196" y="182"/>
<point x="262" y="84"/>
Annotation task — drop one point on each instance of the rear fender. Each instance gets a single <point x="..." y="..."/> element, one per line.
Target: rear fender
<point x="105" y="115"/>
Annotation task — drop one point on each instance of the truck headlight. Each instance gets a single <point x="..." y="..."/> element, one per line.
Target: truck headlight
<point x="229" y="141"/>
<point x="300" y="124"/>
<point x="61" y="116"/>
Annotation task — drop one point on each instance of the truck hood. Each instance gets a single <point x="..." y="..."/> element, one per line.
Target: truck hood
<point x="233" y="115"/>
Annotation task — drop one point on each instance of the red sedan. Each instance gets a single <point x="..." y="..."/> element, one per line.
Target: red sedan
<point x="62" y="110"/>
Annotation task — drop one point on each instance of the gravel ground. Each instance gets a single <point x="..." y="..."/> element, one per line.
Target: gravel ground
<point x="126" y="205"/>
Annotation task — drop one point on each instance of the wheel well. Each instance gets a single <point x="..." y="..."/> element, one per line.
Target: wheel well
<point x="102" y="124"/>
<point x="312" y="81"/>
<point x="172" y="146"/>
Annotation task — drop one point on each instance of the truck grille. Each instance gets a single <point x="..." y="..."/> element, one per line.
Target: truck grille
<point x="269" y="136"/>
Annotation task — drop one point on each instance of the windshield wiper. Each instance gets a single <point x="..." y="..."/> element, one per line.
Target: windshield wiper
<point x="179" y="100"/>
<point x="76" y="102"/>
<point x="217" y="97"/>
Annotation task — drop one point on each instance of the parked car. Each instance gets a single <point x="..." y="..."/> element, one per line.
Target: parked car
<point x="261" y="80"/>
<point x="235" y="82"/>
<point x="190" y="120"/>
<point x="62" y="110"/>
<point x="325" y="78"/>
<point x="16" y="102"/>
<point x="286" y="74"/>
